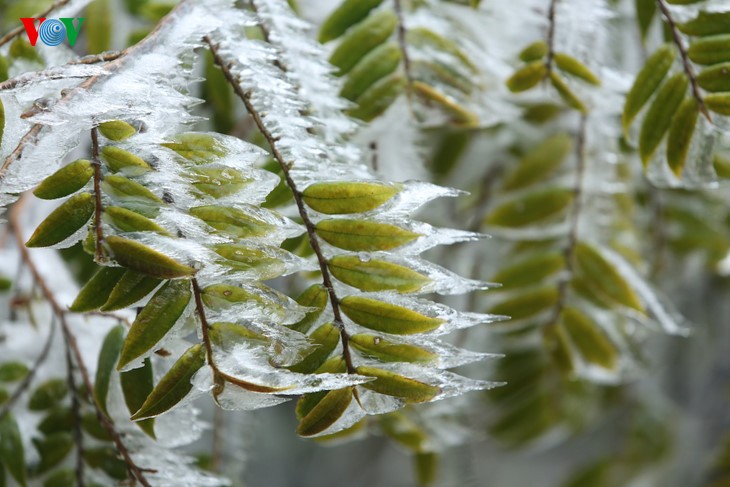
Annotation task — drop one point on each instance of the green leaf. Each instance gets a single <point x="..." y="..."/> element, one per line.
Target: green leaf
<point x="362" y="39"/>
<point x="96" y="292"/>
<point x="131" y="288"/>
<point x="12" y="371"/>
<point x="347" y="197"/>
<point x="126" y="220"/>
<point x="388" y="351"/>
<point x="21" y="49"/>
<point x="155" y="320"/>
<point x="385" y="317"/>
<point x="108" y="356"/>
<point x="12" y="453"/>
<point x="530" y="270"/>
<point x="222" y="296"/>
<point x="426" y="465"/>
<point x="645" y="13"/>
<point x="377" y="64"/>
<point x="379" y="97"/>
<point x="710" y="50"/>
<point x="58" y="419"/>
<point x="133" y="194"/>
<point x="647" y="81"/>
<point x="52" y="450"/>
<point x="715" y="78"/>
<point x="534" y="52"/>
<point x="174" y="386"/>
<point x="347" y="14"/>
<point x="707" y="24"/>
<point x="233" y="221"/>
<point x="403" y="430"/>
<point x="590" y="341"/>
<point x="316" y="297"/>
<point x="105" y="458"/>
<point x="197" y="148"/>
<point x="527" y="77"/>
<point x="99" y="30"/>
<point x="606" y="279"/>
<point x="429" y="40"/>
<point x="124" y="162"/>
<point x="376" y="275"/>
<point x="116" y="130"/>
<point x="659" y="116"/>
<point x="224" y="335"/>
<point x="218" y="182"/>
<point x="534" y="207"/>
<point x="539" y="162"/>
<point x="245" y="258"/>
<point x="567" y="94"/>
<point x="363" y="235"/>
<point x="573" y="66"/>
<point x="392" y="384"/>
<point x="528" y="303"/>
<point x="138" y="257"/>
<point x="680" y="134"/>
<point x="137" y="385"/>
<point x="61" y="478"/>
<point x="3" y="77"/>
<point x="67" y="180"/>
<point x="64" y="221"/>
<point x="325" y="413"/>
<point x="325" y="338"/>
<point x="459" y="115"/>
<point x="47" y="395"/>
<point x="718" y="103"/>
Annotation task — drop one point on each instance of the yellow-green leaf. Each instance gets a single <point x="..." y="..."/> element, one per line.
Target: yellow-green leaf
<point x="140" y="258"/>
<point x="532" y="208"/>
<point x="647" y="81"/>
<point x="233" y="221"/>
<point x="527" y="77"/>
<point x="388" y="351"/>
<point x="221" y="296"/>
<point x="710" y="50"/>
<point x="245" y="258"/>
<point x="362" y="39"/>
<point x="534" y="52"/>
<point x="197" y="148"/>
<point x="426" y="466"/>
<point x="137" y="385"/>
<point x="325" y="338"/>
<point x="376" y="275"/>
<point x="588" y="338"/>
<point x="347" y="14"/>
<point x="707" y="24"/>
<point x="126" y="220"/>
<point x="715" y="78"/>
<point x="427" y="39"/>
<point x="533" y="269"/>
<point x="459" y="115"/>
<point x="379" y="97"/>
<point x="386" y="317"/>
<point x="363" y="235"/>
<point x="155" y="320"/>
<point x="347" y="197"/>
<point x="680" y="134"/>
<point x="659" y="116"/>
<point x="174" y="386"/>
<point x="573" y="66"/>
<point x="316" y="297"/>
<point x="528" y="303"/>
<point x="131" y="192"/>
<point x="64" y="221"/>
<point x="96" y="292"/>
<point x="325" y="413"/>
<point x="108" y="356"/>
<point x="392" y="384"/>
<point x="12" y="453"/>
<point x="539" y="162"/>
<point x="218" y="182"/>
<point x="645" y="13"/>
<point x="566" y="93"/>
<point x="606" y="279"/>
<point x="99" y="31"/>
<point x="69" y="179"/>
<point x="718" y="103"/>
<point x="131" y="288"/>
<point x="116" y="130"/>
<point x="377" y="64"/>
<point x="224" y="334"/>
<point x="124" y="162"/>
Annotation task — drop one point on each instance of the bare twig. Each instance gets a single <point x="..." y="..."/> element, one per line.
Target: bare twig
<point x="99" y="250"/>
<point x="72" y="344"/>
<point x="76" y="412"/>
<point x="687" y="65"/>
<point x="403" y="43"/>
<point x="19" y="30"/>
<point x="303" y="213"/>
<point x="551" y="37"/>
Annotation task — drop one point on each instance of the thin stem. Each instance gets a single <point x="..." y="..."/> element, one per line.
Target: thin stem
<point x="303" y="213"/>
<point x="76" y="412"/>
<point x="99" y="251"/>
<point x="19" y="30"/>
<point x="72" y="344"/>
<point x="31" y="136"/>
<point x="688" y="70"/>
<point x="403" y="43"/>
<point x="551" y="37"/>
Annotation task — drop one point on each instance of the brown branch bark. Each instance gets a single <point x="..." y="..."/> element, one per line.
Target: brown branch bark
<point x="98" y="249"/>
